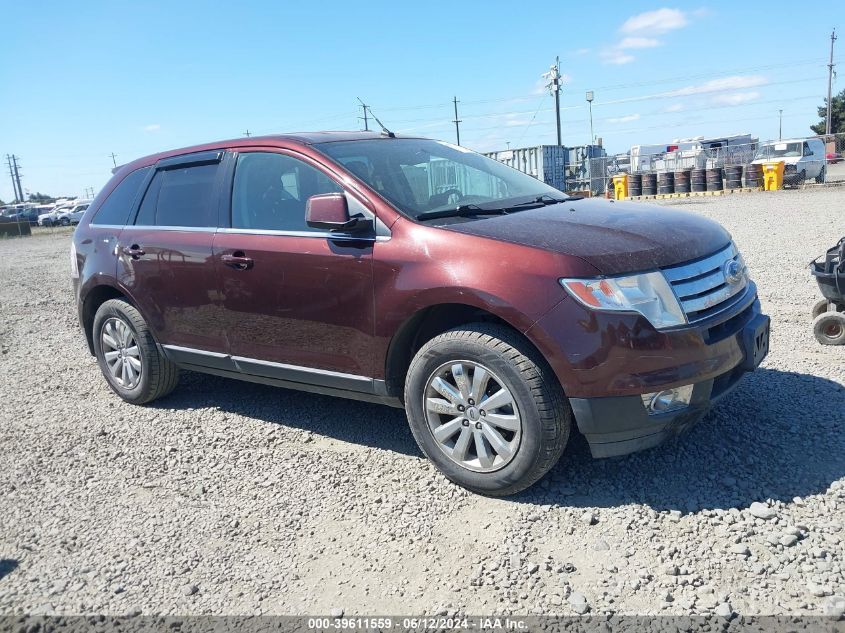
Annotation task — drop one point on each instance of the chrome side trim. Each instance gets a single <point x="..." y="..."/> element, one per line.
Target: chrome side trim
<point x="295" y="374"/>
<point x="317" y="234"/>
<point x="193" y="229"/>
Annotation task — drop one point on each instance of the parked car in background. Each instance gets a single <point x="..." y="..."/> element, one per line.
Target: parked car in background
<point x="501" y="314"/>
<point x="802" y="158"/>
<point x="72" y="215"/>
<point x="51" y="216"/>
<point x="29" y="215"/>
<point x="833" y="158"/>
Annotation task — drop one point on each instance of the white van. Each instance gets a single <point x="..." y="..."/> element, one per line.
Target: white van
<point x="803" y="158"/>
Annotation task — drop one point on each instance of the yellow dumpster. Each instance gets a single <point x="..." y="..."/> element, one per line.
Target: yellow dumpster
<point x="620" y="186"/>
<point x="773" y="176"/>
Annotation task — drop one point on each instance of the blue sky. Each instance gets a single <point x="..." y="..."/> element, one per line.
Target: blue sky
<point x="82" y="80"/>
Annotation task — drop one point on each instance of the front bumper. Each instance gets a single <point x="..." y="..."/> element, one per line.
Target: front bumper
<point x="605" y="362"/>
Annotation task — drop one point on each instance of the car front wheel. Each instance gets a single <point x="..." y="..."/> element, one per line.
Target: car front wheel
<point x="486" y="409"/>
<point x="64" y="222"/>
<point x="128" y="355"/>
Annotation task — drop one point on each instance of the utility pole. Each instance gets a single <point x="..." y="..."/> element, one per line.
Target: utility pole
<point x="554" y="88"/>
<point x="113" y="158"/>
<point x="829" y="83"/>
<point x="780" y="125"/>
<point x="18" y="178"/>
<point x="12" y="176"/>
<point x="246" y="134"/>
<point x="365" y="119"/>
<point x="590" y="103"/>
<point x="457" y="121"/>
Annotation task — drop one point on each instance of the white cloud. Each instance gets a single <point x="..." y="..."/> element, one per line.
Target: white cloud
<point x="675" y="107"/>
<point x="152" y="127"/>
<point x="736" y="98"/>
<point x="654" y="22"/>
<point x="582" y="51"/>
<point x="734" y="82"/>
<point x="616" y="56"/>
<point x="624" y="119"/>
<point x="638" y="42"/>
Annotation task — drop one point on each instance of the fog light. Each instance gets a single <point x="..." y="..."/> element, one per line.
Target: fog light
<point x="667" y="400"/>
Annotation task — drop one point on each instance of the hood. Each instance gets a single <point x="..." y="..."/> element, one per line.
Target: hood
<point x="615" y="237"/>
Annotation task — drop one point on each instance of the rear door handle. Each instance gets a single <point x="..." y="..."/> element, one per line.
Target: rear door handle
<point x="133" y="251"/>
<point x="238" y="260"/>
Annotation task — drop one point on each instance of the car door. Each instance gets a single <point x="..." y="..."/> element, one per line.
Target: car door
<point x="165" y="258"/>
<point x="297" y="302"/>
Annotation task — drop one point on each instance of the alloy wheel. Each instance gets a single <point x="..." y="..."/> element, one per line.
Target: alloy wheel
<point x="121" y="353"/>
<point x="472" y="416"/>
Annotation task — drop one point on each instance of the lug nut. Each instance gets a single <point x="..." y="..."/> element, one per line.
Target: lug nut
<point x="483" y="412"/>
<point x="465" y="422"/>
<point x="461" y="407"/>
<point x="471" y="402"/>
<point x="478" y="425"/>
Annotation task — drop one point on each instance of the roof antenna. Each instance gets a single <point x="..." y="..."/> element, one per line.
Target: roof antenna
<point x="384" y="130"/>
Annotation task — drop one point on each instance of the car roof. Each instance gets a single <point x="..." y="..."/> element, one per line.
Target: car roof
<point x="301" y="138"/>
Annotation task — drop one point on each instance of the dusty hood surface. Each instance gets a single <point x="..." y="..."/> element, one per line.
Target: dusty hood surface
<point x="615" y="237"/>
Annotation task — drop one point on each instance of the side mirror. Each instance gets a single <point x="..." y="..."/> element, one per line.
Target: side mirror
<point x="331" y="211"/>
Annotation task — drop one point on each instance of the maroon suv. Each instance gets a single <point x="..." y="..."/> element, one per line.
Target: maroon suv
<point x="416" y="273"/>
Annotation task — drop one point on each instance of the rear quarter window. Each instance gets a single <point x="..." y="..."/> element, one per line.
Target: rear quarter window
<point x="182" y="196"/>
<point x="118" y="206"/>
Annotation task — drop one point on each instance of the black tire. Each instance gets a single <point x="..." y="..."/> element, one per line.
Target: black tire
<point x="545" y="414"/>
<point x="820" y="307"/>
<point x="829" y="328"/>
<point x="64" y="222"/>
<point x="158" y="375"/>
<point x="820" y="177"/>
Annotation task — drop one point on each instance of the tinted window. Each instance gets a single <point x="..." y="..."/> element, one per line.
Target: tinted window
<point x="270" y="191"/>
<point x="180" y="197"/>
<point x="116" y="208"/>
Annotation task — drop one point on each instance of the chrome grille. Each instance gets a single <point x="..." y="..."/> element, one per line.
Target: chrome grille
<point x="703" y="286"/>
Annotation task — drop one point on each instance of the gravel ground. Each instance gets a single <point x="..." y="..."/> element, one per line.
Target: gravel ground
<point x="235" y="498"/>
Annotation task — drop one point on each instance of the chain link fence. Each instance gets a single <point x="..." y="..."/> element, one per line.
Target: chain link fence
<point x="815" y="159"/>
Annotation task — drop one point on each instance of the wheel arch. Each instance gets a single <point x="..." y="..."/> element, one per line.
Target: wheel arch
<point x="94" y="298"/>
<point x="424" y="325"/>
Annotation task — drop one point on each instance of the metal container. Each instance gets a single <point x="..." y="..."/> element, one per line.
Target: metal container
<point x="666" y="182"/>
<point x="698" y="180"/>
<point x="649" y="184"/>
<point x="714" y="179"/>
<point x="754" y="176"/>
<point x="733" y="176"/>
<point x="682" y="181"/>
<point x="583" y="167"/>
<point x="635" y="185"/>
<point x="544" y="162"/>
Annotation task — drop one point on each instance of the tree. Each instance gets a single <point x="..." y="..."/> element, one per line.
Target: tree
<point x="41" y="198"/>
<point x="837" y="116"/>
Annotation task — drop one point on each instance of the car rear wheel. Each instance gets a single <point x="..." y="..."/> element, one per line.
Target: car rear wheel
<point x="829" y="328"/>
<point x="128" y="355"/>
<point x="820" y="177"/>
<point x="64" y="222"/>
<point x="486" y="409"/>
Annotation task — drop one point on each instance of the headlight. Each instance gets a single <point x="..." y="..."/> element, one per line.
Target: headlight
<point x="647" y="293"/>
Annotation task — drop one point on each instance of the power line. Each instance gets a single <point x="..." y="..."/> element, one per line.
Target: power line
<point x="113" y="158"/>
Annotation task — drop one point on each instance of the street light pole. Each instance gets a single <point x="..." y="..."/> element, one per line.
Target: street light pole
<point x="780" y="125"/>
<point x="590" y="103"/>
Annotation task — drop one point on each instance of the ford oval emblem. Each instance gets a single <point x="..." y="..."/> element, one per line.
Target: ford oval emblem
<point x="733" y="271"/>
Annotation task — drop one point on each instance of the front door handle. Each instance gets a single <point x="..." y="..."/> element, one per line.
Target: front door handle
<point x="238" y="260"/>
<point x="133" y="251"/>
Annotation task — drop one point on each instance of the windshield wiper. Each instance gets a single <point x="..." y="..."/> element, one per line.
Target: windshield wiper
<point x="543" y="200"/>
<point x="461" y="211"/>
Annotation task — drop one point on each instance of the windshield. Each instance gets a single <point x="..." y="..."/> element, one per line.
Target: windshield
<point x="419" y="176"/>
<point x="779" y="150"/>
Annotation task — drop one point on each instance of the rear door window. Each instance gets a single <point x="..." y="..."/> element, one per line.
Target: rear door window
<point x="183" y="196"/>
<point x="117" y="207"/>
